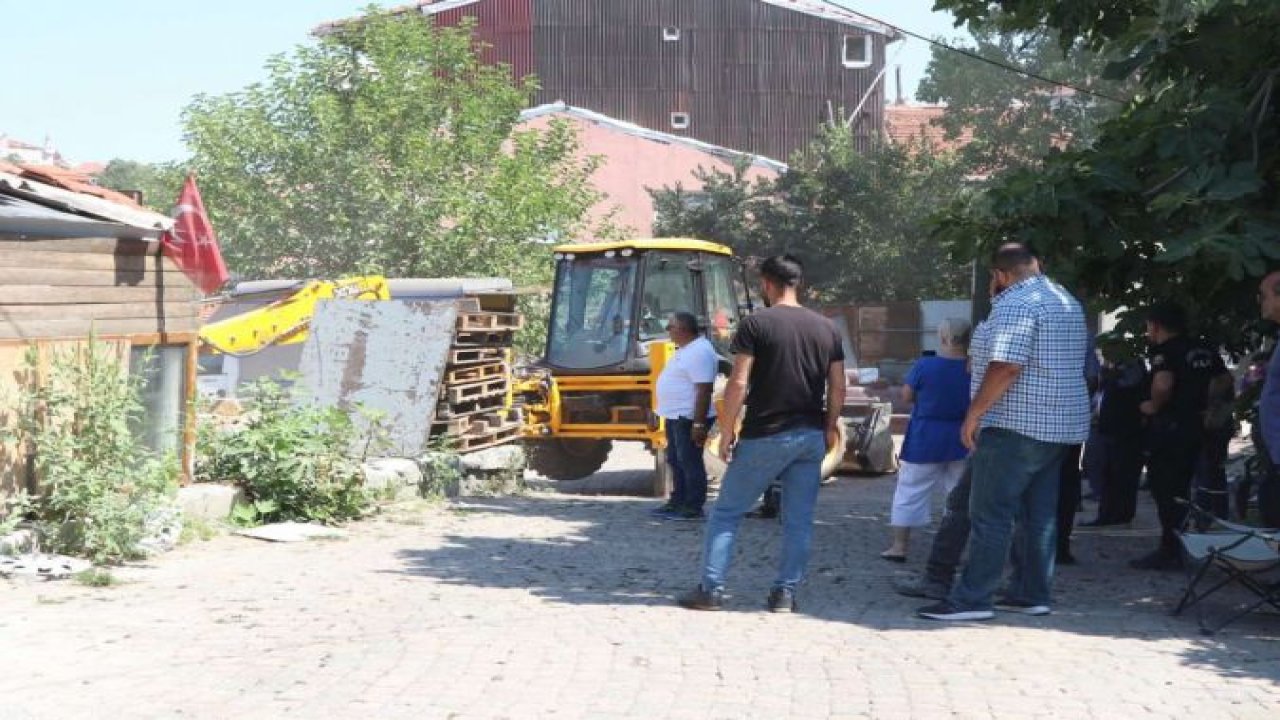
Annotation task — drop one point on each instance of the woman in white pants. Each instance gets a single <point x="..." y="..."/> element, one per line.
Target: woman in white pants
<point x="932" y="454"/>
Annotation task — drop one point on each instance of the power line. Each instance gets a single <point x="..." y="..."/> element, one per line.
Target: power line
<point x="970" y="54"/>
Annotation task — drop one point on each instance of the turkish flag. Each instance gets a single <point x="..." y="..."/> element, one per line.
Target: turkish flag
<point x="191" y="243"/>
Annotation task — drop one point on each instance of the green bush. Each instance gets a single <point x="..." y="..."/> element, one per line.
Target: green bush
<point x="98" y="485"/>
<point x="295" y="461"/>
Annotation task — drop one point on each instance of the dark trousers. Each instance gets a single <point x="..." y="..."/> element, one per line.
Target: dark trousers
<point x="689" y="474"/>
<point x="1211" y="472"/>
<point x="1175" y="454"/>
<point x="1119" y="501"/>
<point x="953" y="533"/>
<point x="1068" y="498"/>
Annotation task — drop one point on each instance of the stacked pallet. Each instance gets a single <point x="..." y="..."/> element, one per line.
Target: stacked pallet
<point x="472" y="413"/>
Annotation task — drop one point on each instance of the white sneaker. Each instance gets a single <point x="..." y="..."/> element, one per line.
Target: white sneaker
<point x="1022" y="608"/>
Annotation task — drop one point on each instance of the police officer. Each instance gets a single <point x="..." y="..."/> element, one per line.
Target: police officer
<point x="1181" y="371"/>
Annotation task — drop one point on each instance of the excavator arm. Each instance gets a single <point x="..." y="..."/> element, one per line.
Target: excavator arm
<point x="287" y="320"/>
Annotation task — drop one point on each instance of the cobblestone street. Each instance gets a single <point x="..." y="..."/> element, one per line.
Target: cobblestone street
<point x="550" y="606"/>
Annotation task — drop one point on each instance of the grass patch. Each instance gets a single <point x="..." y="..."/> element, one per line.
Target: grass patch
<point x="197" y="528"/>
<point x="98" y="578"/>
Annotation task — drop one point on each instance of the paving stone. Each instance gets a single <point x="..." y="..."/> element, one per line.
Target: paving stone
<point x="547" y="606"/>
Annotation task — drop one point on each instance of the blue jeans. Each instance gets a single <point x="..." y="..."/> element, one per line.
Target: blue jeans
<point x="1015" y="480"/>
<point x="689" y="474"/>
<point x="794" y="457"/>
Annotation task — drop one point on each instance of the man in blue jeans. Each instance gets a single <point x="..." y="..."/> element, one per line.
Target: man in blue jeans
<point x="684" y="403"/>
<point x="1030" y="405"/>
<point x="788" y="368"/>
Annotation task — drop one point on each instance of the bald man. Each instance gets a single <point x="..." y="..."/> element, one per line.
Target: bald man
<point x="1269" y="408"/>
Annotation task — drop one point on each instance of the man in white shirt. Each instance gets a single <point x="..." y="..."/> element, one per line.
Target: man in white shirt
<point x="684" y="403"/>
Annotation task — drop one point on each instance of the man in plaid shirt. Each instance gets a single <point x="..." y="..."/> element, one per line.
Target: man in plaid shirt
<point x="1030" y="404"/>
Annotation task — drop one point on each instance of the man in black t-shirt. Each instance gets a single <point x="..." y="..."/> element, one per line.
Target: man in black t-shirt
<point x="789" y="370"/>
<point x="1181" y="371"/>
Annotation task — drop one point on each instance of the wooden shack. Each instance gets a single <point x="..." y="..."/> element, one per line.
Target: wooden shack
<point x="78" y="261"/>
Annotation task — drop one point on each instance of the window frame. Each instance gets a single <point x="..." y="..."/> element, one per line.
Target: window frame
<point x="868" y="55"/>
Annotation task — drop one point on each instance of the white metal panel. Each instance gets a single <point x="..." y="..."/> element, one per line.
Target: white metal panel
<point x="387" y="357"/>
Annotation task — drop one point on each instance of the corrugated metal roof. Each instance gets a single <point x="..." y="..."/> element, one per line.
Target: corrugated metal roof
<point x="22" y="217"/>
<point x="431" y="7"/>
<point x="139" y="220"/>
<point x="830" y="11"/>
<point x="561" y="108"/>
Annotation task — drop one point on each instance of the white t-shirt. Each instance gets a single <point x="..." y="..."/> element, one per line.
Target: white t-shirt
<point x="691" y="365"/>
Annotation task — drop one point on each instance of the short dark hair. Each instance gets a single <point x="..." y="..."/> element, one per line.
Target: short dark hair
<point x="1170" y="316"/>
<point x="688" y="321"/>
<point x="784" y="270"/>
<point x="1012" y="256"/>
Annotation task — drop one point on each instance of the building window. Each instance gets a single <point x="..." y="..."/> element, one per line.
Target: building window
<point x="856" y="51"/>
<point x="670" y="34"/>
<point x="679" y="120"/>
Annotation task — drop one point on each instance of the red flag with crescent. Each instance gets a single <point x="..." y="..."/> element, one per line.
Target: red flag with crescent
<point x="191" y="243"/>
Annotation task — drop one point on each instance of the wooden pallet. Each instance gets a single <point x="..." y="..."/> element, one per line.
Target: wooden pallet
<point x="473" y="373"/>
<point x="475" y="356"/>
<point x="483" y="338"/>
<point x="480" y="441"/>
<point x="474" y="321"/>
<point x="479" y="423"/>
<point x="450" y="411"/>
<point x="455" y="394"/>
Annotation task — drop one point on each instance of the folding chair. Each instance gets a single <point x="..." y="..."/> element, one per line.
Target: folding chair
<point x="1244" y="555"/>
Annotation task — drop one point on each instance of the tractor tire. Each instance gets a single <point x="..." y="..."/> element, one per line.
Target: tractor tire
<point x="567" y="459"/>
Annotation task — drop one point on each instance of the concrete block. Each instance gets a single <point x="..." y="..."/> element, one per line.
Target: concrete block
<point x="209" y="501"/>
<point x="399" y="477"/>
<point x="494" y="471"/>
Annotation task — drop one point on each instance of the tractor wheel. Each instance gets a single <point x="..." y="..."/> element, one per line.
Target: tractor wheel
<point x="567" y="459"/>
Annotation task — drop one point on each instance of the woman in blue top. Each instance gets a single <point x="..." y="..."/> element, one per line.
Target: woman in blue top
<point x="932" y="454"/>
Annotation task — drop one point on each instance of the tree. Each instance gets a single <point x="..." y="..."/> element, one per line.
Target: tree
<point x="1012" y="119"/>
<point x="387" y="146"/>
<point x="858" y="217"/>
<point x="158" y="183"/>
<point x="1177" y="198"/>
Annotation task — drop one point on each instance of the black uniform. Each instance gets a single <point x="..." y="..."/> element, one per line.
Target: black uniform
<point x="1176" y="434"/>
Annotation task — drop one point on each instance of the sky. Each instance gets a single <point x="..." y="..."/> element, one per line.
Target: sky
<point x="108" y="79"/>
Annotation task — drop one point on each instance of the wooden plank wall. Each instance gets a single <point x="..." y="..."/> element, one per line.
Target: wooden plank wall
<point x="70" y="288"/>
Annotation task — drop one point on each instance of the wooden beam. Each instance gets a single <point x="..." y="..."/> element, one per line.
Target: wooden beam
<point x="108" y="246"/>
<point x="52" y="295"/>
<point x="79" y="328"/>
<point x="103" y="311"/>
<point x="138" y="277"/>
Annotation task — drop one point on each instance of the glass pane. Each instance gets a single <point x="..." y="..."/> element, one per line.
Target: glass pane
<point x="722" y="300"/>
<point x="162" y="371"/>
<point x="593" y="311"/>
<point x="668" y="288"/>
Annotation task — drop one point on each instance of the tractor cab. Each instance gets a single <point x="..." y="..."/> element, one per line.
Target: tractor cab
<point x="607" y="343"/>
<point x="611" y="301"/>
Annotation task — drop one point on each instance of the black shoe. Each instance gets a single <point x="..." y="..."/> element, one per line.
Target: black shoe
<point x="1158" y="560"/>
<point x="946" y="611"/>
<point x="663" y="509"/>
<point x="922" y="587"/>
<point x="702" y="599"/>
<point x="764" y="512"/>
<point x="1065" y="557"/>
<point x="782" y="600"/>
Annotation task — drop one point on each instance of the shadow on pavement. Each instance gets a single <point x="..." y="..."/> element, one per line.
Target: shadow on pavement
<point x="611" y="552"/>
